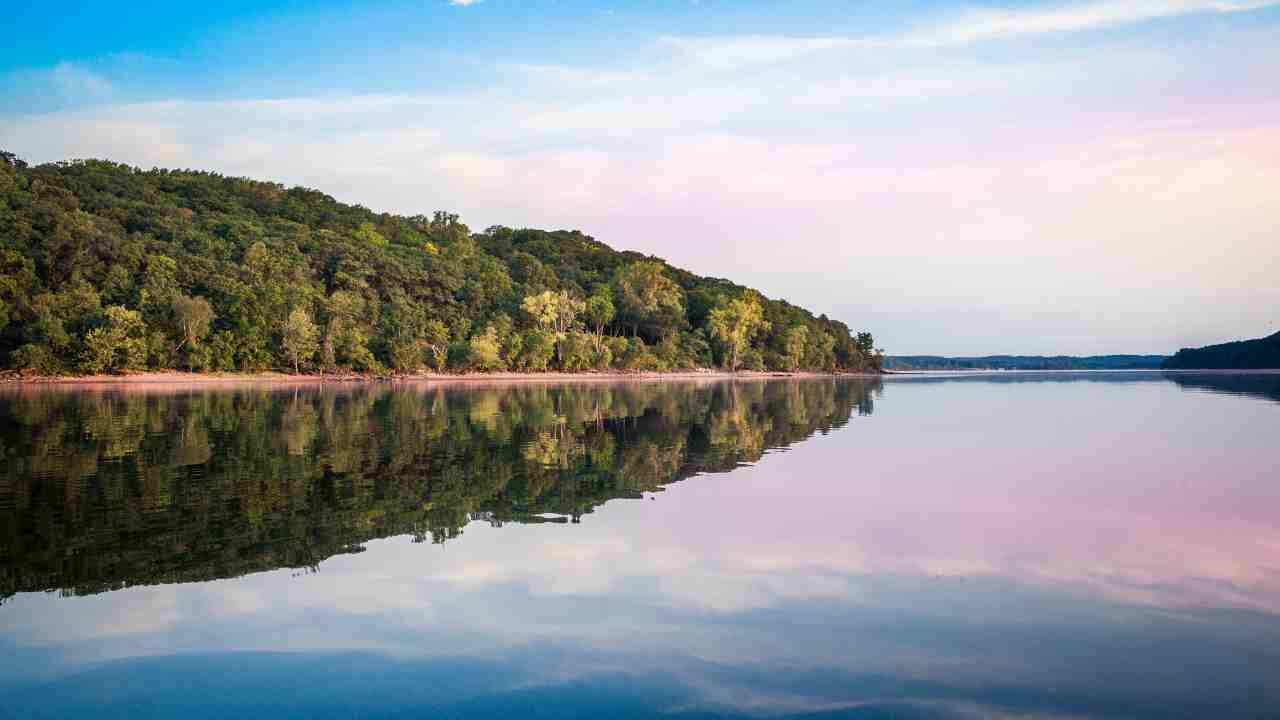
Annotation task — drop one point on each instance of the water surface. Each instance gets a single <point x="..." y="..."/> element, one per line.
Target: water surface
<point x="1065" y="544"/>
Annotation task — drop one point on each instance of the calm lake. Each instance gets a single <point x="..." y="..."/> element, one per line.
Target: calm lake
<point x="1029" y="545"/>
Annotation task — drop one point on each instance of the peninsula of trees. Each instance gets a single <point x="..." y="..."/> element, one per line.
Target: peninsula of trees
<point x="107" y="268"/>
<point x="1260" y="354"/>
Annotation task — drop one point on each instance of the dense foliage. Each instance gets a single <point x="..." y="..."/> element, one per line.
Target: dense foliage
<point x="107" y="268"/>
<point x="1260" y="354"/>
<point x="103" y="490"/>
<point x="1025" y="362"/>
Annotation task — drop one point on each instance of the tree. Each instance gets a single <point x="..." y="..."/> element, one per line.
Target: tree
<point x="866" y="346"/>
<point x="436" y="337"/>
<point x="299" y="338"/>
<point x="12" y="160"/>
<point x="599" y="312"/>
<point x="193" y="318"/>
<point x="406" y="354"/>
<point x="118" y="344"/>
<point x="486" y="350"/>
<point x="346" y="333"/>
<point x="648" y="299"/>
<point x="795" y="346"/>
<point x="734" y="324"/>
<point x="367" y="233"/>
<point x="554" y="311"/>
<point x="821" y="351"/>
<point x="537" y="349"/>
<point x="160" y="285"/>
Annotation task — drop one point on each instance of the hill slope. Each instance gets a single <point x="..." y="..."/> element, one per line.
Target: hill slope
<point x="107" y="268"/>
<point x="1260" y="354"/>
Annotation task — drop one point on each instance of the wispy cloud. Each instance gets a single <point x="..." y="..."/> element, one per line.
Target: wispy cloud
<point x="463" y="3"/>
<point x="980" y="25"/>
<point x="968" y="28"/>
<point x="66" y="84"/>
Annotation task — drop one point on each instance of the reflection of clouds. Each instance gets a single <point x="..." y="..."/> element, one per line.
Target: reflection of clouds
<point x="75" y="619"/>
<point x="867" y="549"/>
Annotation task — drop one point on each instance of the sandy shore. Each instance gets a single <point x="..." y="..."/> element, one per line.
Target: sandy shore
<point x="184" y="378"/>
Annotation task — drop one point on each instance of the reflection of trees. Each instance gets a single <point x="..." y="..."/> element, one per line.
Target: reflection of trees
<point x="1261" y="385"/>
<point x="102" y="490"/>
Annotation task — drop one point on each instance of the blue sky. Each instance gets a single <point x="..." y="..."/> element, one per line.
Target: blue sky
<point x="967" y="178"/>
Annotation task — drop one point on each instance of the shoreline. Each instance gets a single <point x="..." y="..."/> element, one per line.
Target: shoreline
<point x="278" y="378"/>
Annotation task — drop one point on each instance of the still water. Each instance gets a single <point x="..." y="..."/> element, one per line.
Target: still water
<point x="1057" y="545"/>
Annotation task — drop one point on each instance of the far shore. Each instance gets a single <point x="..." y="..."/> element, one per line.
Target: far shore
<point x="172" y="378"/>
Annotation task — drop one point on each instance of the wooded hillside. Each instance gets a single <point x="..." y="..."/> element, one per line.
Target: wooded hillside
<point x="107" y="268"/>
<point x="1260" y="354"/>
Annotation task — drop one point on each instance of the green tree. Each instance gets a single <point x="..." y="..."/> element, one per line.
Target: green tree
<point x="436" y="337"/>
<point x="537" y="349"/>
<point x="193" y="318"/>
<point x="300" y="338"/>
<point x="486" y="350"/>
<point x="648" y="299"/>
<point x="118" y="344"/>
<point x="348" y="331"/>
<point x="159" y="287"/>
<point x="734" y="324"/>
<point x="820" y="354"/>
<point x="555" y="312"/>
<point x="795" y="343"/>
<point x="367" y="233"/>
<point x="599" y="312"/>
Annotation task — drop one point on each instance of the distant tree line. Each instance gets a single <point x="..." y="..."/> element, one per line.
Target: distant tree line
<point x="1025" y="362"/>
<point x="107" y="268"/>
<point x="1260" y="354"/>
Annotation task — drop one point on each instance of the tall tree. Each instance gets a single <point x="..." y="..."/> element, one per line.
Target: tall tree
<point x="300" y="338"/>
<point x="648" y="299"/>
<point x="795" y="346"/>
<point x="436" y="336"/>
<point x="554" y="311"/>
<point x="193" y="318"/>
<point x="734" y="324"/>
<point x="599" y="313"/>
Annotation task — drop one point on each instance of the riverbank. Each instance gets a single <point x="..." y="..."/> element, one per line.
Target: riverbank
<point x="186" y="378"/>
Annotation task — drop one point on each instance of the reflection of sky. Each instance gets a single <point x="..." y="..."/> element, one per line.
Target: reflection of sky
<point x="970" y="545"/>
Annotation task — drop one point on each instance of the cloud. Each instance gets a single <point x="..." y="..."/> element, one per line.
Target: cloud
<point x="66" y="84"/>
<point x="71" y="80"/>
<point x="979" y="25"/>
<point x="1065" y="175"/>
<point x="728" y="52"/>
<point x="463" y="3"/>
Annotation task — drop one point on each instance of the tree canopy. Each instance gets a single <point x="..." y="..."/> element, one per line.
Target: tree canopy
<point x="109" y="268"/>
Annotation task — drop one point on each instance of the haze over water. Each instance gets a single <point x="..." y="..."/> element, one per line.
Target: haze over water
<point x="1067" y="544"/>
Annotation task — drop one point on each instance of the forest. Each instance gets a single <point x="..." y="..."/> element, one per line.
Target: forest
<point x="1259" y="354"/>
<point x="105" y="268"/>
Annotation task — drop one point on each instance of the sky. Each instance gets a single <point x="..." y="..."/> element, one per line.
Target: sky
<point x="958" y="178"/>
